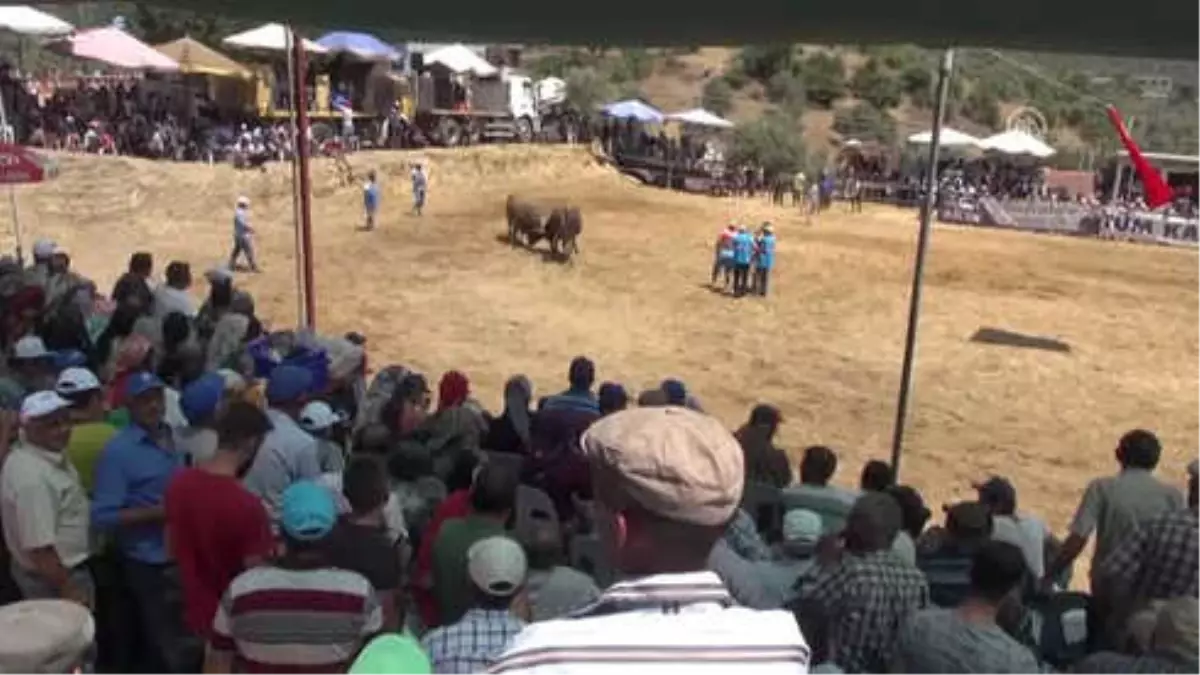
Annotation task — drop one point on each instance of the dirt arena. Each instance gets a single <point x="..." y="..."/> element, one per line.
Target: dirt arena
<point x="443" y="291"/>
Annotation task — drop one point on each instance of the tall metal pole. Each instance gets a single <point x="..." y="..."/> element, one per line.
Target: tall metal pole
<point x="914" y="303"/>
<point x="8" y="135"/>
<point x="300" y="92"/>
<point x="301" y="319"/>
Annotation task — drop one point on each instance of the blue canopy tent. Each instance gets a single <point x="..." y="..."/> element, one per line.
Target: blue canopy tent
<point x="362" y="45"/>
<point x="633" y="109"/>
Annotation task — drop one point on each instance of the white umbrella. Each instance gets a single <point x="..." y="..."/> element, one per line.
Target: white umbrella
<point x="459" y="59"/>
<point x="270" y="37"/>
<point x="951" y="138"/>
<point x="1017" y="142"/>
<point x="702" y="118"/>
<point x="25" y="20"/>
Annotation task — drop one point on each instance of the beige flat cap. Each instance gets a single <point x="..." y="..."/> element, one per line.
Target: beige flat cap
<point x="671" y="461"/>
<point x="44" y="636"/>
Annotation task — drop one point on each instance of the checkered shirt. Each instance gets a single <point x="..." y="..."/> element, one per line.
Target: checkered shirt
<point x="1159" y="560"/>
<point x="863" y="601"/>
<point x="472" y="644"/>
<point x="743" y="537"/>
<point x="1127" y="664"/>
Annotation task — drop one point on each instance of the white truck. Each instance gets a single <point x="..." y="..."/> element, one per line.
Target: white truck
<point x="458" y="109"/>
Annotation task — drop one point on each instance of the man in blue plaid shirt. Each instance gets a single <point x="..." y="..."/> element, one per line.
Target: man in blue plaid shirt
<point x="497" y="568"/>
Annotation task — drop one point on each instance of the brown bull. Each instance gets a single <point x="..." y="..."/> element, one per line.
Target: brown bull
<point x="563" y="228"/>
<point x="524" y="222"/>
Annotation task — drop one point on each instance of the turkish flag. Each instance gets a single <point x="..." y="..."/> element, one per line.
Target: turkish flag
<point x="1156" y="189"/>
<point x="19" y="164"/>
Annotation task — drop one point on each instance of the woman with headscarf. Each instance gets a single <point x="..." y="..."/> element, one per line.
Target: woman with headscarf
<point x="510" y="432"/>
<point x="456" y="426"/>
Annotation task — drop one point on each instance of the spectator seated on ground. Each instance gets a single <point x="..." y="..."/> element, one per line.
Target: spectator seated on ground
<point x="1171" y="647"/>
<point x="913" y="517"/>
<point x="765" y="463"/>
<point x="816" y="494"/>
<point x="966" y="638"/>
<point x="945" y="555"/>
<point x="1026" y="532"/>
<point x="553" y="590"/>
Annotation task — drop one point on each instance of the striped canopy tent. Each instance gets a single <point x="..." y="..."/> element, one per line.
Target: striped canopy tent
<point x="196" y="58"/>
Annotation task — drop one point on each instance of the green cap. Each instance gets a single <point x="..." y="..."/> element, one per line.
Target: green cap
<point x="391" y="654"/>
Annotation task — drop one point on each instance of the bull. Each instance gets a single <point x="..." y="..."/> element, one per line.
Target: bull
<point x="524" y="222"/>
<point x="563" y="228"/>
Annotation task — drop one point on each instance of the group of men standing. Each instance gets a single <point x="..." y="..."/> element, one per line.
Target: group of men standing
<point x="738" y="252"/>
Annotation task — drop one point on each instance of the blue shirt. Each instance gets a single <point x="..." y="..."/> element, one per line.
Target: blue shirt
<point x="579" y="401"/>
<point x="371" y="196"/>
<point x="133" y="472"/>
<point x="241" y="223"/>
<point x="743" y="248"/>
<point x="766" y="251"/>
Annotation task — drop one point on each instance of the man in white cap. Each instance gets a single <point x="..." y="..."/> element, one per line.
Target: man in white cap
<point x="319" y="420"/>
<point x="44" y="506"/>
<point x="31" y="368"/>
<point x="497" y="568"/>
<point x="90" y="428"/>
<point x="45" y="636"/>
<point x="243" y="235"/>
<point x="39" y="271"/>
<point x="666" y="481"/>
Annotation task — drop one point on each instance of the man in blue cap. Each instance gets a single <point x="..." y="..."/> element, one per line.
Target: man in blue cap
<point x="298" y="613"/>
<point x="131" y="477"/>
<point x="200" y="401"/>
<point x="288" y="453"/>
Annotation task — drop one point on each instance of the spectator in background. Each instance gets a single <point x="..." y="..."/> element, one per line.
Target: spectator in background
<point x="1025" y="532"/>
<point x="1172" y="648"/>
<point x="173" y="296"/>
<point x="612" y="398"/>
<point x="877" y="476"/>
<point x="667" y="481"/>
<point x="131" y="478"/>
<point x="492" y="500"/>
<point x="510" y="432"/>
<point x="319" y="420"/>
<point x="44" y="506"/>
<point x="945" y="555"/>
<point x="798" y="549"/>
<point x="553" y="590"/>
<point x="966" y="639"/>
<point x="765" y="463"/>
<point x="134" y="288"/>
<point x="815" y="493"/>
<point x="496" y="570"/>
<point x="298" y="613"/>
<point x="90" y="429"/>
<point x="200" y="402"/>
<point x="216" y="528"/>
<point x="288" y="454"/>
<point x="361" y="543"/>
<point x="562" y="419"/>
<point x="1113" y="506"/>
<point x="853" y="609"/>
<point x="179" y="351"/>
<point x="31" y="368"/>
<point x="457" y="504"/>
<point x="913" y="516"/>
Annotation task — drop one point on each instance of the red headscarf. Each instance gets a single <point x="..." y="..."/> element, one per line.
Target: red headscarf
<point x="131" y="358"/>
<point x="453" y="390"/>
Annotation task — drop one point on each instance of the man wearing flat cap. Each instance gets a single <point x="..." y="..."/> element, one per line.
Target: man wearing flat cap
<point x="667" y="481"/>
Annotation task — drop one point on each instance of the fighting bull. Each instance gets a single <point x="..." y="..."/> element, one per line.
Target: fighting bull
<point x="524" y="222"/>
<point x="562" y="230"/>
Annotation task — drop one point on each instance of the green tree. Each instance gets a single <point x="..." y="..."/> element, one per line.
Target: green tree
<point x="917" y="83"/>
<point x="587" y="88"/>
<point x="633" y="65"/>
<point x="762" y="62"/>
<point x="772" y="142"/>
<point x="787" y="90"/>
<point x="865" y="122"/>
<point x="717" y="96"/>
<point x="155" y="24"/>
<point x="982" y="107"/>
<point x="876" y="85"/>
<point x="824" y="78"/>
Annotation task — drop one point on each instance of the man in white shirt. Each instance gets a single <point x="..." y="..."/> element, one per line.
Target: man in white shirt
<point x="45" y="508"/>
<point x="667" y="481"/>
<point x="173" y="296"/>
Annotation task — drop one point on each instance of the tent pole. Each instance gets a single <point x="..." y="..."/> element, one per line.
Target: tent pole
<point x="300" y="95"/>
<point x="301" y="319"/>
<point x="7" y="136"/>
<point x="927" y="213"/>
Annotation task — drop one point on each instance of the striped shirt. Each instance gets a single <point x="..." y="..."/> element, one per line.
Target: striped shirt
<point x="295" y="621"/>
<point x="670" y="623"/>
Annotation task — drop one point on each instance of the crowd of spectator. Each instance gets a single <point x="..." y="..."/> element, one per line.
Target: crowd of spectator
<point x="183" y="489"/>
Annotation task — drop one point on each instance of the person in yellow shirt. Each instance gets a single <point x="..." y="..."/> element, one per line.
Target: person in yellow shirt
<point x="90" y="430"/>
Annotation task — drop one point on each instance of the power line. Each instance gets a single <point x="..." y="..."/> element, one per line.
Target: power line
<point x="1030" y="70"/>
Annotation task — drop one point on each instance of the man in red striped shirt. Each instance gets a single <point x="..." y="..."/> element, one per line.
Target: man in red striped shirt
<point x="297" y="615"/>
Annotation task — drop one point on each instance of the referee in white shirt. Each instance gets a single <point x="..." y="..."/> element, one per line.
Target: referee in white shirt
<point x="667" y="481"/>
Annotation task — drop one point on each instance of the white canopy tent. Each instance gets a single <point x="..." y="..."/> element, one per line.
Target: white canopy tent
<point x="459" y="59"/>
<point x="701" y="118"/>
<point x="951" y="138"/>
<point x="269" y="37"/>
<point x="25" y="20"/>
<point x="1017" y="142"/>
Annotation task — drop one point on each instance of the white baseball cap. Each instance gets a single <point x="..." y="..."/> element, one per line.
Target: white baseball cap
<point x="318" y="416"/>
<point x="42" y="403"/>
<point x="243" y="201"/>
<point x="497" y="566"/>
<point x="44" y="248"/>
<point x="30" y="347"/>
<point x="75" y="380"/>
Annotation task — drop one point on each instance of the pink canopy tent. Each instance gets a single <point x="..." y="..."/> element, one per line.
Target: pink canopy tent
<point x="115" y="47"/>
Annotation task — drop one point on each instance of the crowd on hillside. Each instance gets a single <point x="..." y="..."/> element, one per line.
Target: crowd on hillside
<point x="183" y="488"/>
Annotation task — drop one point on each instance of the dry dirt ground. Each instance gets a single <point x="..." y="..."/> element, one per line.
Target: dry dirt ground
<point x="444" y="292"/>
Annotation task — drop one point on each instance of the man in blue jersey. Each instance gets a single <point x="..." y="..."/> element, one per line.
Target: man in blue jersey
<point x="764" y="259"/>
<point x="743" y="253"/>
<point x="243" y="235"/>
<point x="371" y="199"/>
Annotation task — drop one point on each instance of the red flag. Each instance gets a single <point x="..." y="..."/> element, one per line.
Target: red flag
<point x="1156" y="189"/>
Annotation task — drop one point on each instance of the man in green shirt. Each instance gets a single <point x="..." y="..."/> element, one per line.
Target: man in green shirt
<point x="493" y="497"/>
<point x="89" y="429"/>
